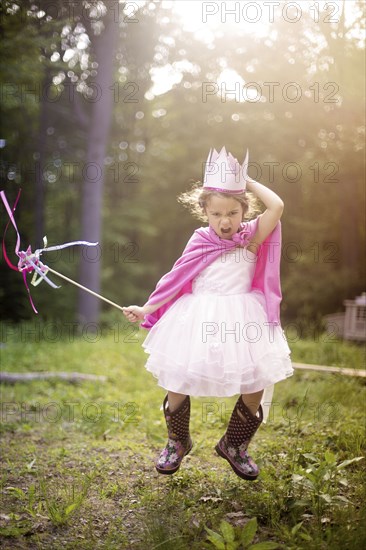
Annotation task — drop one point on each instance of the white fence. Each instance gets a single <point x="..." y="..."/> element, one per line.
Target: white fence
<point x="350" y="325"/>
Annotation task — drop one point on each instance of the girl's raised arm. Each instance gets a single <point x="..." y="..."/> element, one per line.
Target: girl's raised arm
<point x="270" y="217"/>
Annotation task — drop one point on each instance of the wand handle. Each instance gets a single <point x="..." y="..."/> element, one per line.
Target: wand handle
<point x="84" y="288"/>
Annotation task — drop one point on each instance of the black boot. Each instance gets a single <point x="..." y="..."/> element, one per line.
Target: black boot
<point x="234" y="443"/>
<point x="179" y="443"/>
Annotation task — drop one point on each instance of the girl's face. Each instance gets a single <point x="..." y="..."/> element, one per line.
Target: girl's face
<point x="224" y="215"/>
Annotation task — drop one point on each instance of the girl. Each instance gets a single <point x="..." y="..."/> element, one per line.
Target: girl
<point x="214" y="318"/>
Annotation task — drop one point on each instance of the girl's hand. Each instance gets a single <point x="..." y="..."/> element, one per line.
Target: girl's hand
<point x="134" y="313"/>
<point x="137" y="313"/>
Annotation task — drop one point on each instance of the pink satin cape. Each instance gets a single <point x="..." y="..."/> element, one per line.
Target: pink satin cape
<point x="204" y="247"/>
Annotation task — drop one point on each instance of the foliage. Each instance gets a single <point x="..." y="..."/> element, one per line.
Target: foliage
<point x="231" y="539"/>
<point x="78" y="460"/>
<point x="318" y="482"/>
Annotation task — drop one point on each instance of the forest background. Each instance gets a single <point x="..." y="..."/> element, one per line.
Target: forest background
<point x="108" y="113"/>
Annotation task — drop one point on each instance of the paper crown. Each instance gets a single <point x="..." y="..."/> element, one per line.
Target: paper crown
<point x="223" y="172"/>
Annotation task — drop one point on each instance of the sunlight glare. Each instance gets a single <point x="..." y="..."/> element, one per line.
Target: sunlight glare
<point x="209" y="20"/>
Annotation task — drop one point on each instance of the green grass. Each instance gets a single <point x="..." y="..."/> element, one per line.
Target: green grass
<point x="77" y="466"/>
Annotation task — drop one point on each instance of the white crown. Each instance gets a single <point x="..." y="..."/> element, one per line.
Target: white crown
<point x="223" y="172"/>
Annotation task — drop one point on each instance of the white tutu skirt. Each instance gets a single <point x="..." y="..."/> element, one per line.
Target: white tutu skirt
<point x="213" y="344"/>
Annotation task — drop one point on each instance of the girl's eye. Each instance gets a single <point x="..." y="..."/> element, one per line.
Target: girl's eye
<point x="230" y="214"/>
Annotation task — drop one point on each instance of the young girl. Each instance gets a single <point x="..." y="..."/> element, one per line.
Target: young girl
<point x="213" y="320"/>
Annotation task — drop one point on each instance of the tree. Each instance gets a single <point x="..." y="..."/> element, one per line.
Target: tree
<point x="103" y="48"/>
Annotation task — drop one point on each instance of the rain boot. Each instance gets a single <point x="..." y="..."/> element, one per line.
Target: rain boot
<point x="234" y="443"/>
<point x="179" y="441"/>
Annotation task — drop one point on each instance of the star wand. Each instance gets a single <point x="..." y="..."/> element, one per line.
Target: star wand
<point x="30" y="261"/>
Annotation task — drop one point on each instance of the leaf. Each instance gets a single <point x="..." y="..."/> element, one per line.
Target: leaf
<point x="70" y="508"/>
<point x="31" y="464"/>
<point x="342" y="499"/>
<point x="295" y="529"/>
<point x="330" y="457"/>
<point x="310" y="456"/>
<point x="299" y="502"/>
<point x="348" y="462"/>
<point x="249" y="531"/>
<point x="217" y="544"/>
<point x="228" y="531"/>
<point x="216" y="539"/>
<point x="296" y="478"/>
<point x="17" y="491"/>
<point x="263" y="546"/>
<point x="307" y="537"/>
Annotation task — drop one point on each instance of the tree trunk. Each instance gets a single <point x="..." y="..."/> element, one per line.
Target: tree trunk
<point x="42" y="150"/>
<point x="93" y="171"/>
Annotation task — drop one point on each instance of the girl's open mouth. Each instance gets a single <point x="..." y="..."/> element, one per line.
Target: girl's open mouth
<point x="225" y="230"/>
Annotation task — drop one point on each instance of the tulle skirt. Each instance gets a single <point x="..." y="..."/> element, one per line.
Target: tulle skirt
<point x="217" y="345"/>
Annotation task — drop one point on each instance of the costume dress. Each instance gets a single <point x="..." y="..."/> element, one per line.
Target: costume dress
<point x="216" y="340"/>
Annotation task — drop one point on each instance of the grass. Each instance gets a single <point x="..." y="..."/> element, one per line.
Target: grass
<point x="77" y="459"/>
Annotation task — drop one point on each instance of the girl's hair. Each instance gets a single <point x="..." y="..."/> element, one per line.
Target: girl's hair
<point x="196" y="200"/>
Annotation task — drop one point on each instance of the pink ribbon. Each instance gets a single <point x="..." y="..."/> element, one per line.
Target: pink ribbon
<point x="30" y="261"/>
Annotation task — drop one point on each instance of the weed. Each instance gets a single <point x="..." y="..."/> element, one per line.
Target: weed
<point x="231" y="538"/>
<point x="28" y="499"/>
<point x="319" y="481"/>
<point x="63" y="501"/>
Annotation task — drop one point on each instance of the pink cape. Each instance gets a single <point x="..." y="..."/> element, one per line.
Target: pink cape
<point x="204" y="247"/>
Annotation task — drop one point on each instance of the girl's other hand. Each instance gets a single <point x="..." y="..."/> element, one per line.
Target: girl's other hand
<point x="134" y="313"/>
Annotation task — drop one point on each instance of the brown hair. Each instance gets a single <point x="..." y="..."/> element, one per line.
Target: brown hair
<point x="196" y="201"/>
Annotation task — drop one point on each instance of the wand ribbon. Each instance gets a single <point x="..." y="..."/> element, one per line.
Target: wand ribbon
<point x="30" y="261"/>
